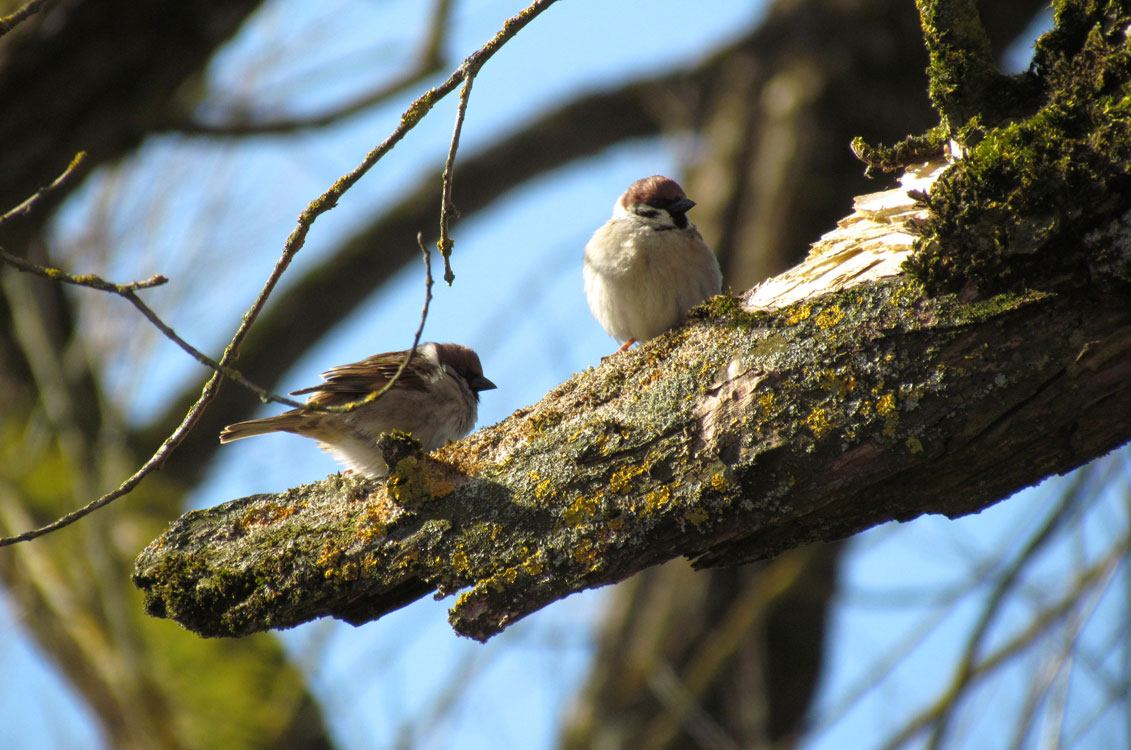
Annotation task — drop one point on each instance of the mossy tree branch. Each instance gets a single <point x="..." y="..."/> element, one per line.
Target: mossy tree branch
<point x="755" y="428"/>
<point x="735" y="437"/>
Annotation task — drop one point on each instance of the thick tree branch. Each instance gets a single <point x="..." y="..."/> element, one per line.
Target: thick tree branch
<point x="744" y="433"/>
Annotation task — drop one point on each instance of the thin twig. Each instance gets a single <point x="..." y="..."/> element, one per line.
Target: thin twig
<point x="127" y="486"/>
<point x="411" y="117"/>
<point x="65" y="177"/>
<point x="1098" y="576"/>
<point x="409" y="120"/>
<point x="12" y="20"/>
<point x="128" y="292"/>
<point x="448" y="210"/>
<point x="88" y="280"/>
<point x="374" y="395"/>
<point x="965" y="671"/>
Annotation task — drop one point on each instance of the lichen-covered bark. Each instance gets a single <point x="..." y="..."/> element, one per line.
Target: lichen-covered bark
<point x="735" y="437"/>
<point x="746" y="433"/>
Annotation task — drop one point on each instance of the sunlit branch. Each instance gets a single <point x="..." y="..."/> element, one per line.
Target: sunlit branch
<point x="12" y="20"/>
<point x="373" y="396"/>
<point x="448" y="211"/>
<point x="63" y="179"/>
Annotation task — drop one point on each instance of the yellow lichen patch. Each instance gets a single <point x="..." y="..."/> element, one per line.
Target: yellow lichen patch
<point x="584" y="553"/>
<point x="840" y="384"/>
<point x="818" y="422"/>
<point x="541" y="421"/>
<point x="766" y="401"/>
<point x="464" y="597"/>
<point x="372" y="527"/>
<point x="379" y="511"/>
<point x="440" y="487"/>
<point x="542" y="489"/>
<point x="891" y="422"/>
<point x="408" y="485"/>
<point x="532" y="565"/>
<point x="719" y="483"/>
<point x="696" y="516"/>
<point x="799" y="314"/>
<point x="914" y="445"/>
<point x="580" y="510"/>
<point x="886" y="408"/>
<point x="369" y="565"/>
<point x="265" y="515"/>
<point x="615" y="524"/>
<point x="621" y="480"/>
<point x="830" y="316"/>
<point x="484" y="530"/>
<point x="657" y="499"/>
<point x="330" y="560"/>
<point x="461" y="563"/>
<point x="328" y="557"/>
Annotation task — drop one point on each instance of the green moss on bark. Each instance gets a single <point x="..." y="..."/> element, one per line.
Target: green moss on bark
<point x="1009" y="215"/>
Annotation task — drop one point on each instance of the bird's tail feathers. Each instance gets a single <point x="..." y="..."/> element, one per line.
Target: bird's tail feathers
<point x="253" y="427"/>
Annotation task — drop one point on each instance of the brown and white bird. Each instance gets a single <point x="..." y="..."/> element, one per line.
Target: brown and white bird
<point x="436" y="399"/>
<point x="648" y="265"/>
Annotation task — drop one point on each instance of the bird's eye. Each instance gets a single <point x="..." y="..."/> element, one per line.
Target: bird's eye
<point x="647" y="213"/>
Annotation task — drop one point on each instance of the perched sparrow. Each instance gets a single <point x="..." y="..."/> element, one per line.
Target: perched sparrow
<point x="648" y="265"/>
<point x="435" y="399"/>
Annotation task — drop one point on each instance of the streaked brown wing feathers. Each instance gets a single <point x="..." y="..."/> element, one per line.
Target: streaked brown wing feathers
<point x="347" y="383"/>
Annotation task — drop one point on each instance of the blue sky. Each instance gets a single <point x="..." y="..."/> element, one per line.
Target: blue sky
<point x="517" y="300"/>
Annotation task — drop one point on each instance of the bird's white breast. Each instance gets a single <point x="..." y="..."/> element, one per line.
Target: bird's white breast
<point x="640" y="282"/>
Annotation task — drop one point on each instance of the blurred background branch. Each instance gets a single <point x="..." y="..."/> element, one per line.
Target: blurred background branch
<point x="756" y="124"/>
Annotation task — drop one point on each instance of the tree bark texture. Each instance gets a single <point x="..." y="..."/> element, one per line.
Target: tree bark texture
<point x="751" y="430"/>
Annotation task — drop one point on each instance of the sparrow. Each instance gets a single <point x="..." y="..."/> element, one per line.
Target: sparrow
<point x="648" y="265"/>
<point x="436" y="399"/>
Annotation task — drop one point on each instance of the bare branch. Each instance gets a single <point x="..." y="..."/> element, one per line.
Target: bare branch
<point x="1095" y="577"/>
<point x="411" y="117"/>
<point x="129" y="484"/>
<point x="12" y="20"/>
<point x="128" y="291"/>
<point x="448" y="210"/>
<point x="733" y="438"/>
<point x="64" y="179"/>
<point x="373" y="396"/>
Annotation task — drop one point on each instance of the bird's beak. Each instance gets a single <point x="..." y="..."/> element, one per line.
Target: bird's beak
<point x="480" y="383"/>
<point x="681" y="206"/>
